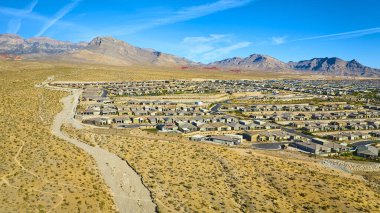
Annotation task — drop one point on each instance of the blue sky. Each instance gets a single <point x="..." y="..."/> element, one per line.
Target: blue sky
<point x="210" y="30"/>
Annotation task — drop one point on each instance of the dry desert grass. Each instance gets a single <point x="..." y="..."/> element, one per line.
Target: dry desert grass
<point x="189" y="176"/>
<point x="89" y="72"/>
<point x="38" y="172"/>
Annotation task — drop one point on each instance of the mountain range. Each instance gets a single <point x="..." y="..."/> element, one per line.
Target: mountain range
<point x="101" y="50"/>
<point x="110" y="51"/>
<point x="327" y="66"/>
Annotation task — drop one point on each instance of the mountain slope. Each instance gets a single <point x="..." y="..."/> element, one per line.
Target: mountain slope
<point x="253" y="62"/>
<point x="334" y="66"/>
<point x="123" y="52"/>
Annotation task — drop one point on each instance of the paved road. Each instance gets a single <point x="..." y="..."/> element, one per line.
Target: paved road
<point x="297" y="133"/>
<point x="363" y="143"/>
<point x="269" y="146"/>
<point x="216" y="108"/>
<point x="130" y="195"/>
<point x="104" y="93"/>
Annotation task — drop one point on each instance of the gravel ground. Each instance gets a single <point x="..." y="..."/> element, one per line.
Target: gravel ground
<point x="351" y="166"/>
<point x="130" y="195"/>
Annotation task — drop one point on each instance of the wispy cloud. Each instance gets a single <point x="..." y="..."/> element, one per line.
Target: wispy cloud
<point x="344" y="35"/>
<point x="335" y="36"/>
<point x="21" y="13"/>
<point x="14" y="23"/>
<point x="278" y="40"/>
<point x="212" y="47"/>
<point x="59" y="15"/>
<point x="184" y="14"/>
<point x="222" y="51"/>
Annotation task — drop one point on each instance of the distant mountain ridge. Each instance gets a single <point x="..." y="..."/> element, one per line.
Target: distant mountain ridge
<point x="335" y="66"/>
<point x="16" y="45"/>
<point x="129" y="54"/>
<point x="329" y="66"/>
<point x="253" y="62"/>
<point x="111" y="51"/>
<point x="100" y="50"/>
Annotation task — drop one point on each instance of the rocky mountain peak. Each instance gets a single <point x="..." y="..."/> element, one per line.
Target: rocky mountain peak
<point x="252" y="62"/>
<point x="334" y="66"/>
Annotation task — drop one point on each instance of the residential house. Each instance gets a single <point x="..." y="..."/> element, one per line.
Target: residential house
<point x="313" y="148"/>
<point x="367" y="151"/>
<point x="206" y="127"/>
<point x="224" y="140"/>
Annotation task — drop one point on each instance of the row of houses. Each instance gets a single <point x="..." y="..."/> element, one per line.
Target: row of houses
<point x="336" y="125"/>
<point x="271" y="136"/>
<point x="180" y="86"/>
<point x="314" y="87"/>
<point x="317" y="116"/>
<point x="186" y="127"/>
<point x="352" y="136"/>
<point x="185" y="124"/>
<point x="250" y="136"/>
<point x="295" y="107"/>
<point x="111" y="109"/>
<point x="329" y="88"/>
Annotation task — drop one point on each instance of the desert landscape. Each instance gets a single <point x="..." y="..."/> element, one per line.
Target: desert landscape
<point x="40" y="172"/>
<point x="180" y="175"/>
<point x="210" y="106"/>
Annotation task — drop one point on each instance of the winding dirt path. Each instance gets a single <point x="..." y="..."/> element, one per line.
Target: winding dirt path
<point x="130" y="195"/>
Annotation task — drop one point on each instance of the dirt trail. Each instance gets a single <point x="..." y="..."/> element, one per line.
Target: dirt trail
<point x="130" y="195"/>
<point x="5" y="181"/>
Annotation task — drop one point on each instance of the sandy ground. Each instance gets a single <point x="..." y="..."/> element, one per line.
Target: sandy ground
<point x="130" y="195"/>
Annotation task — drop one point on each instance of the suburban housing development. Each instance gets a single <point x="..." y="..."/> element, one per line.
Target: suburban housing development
<point x="307" y="115"/>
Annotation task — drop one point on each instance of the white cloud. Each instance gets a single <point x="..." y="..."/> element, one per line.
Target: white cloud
<point x="212" y="47"/>
<point x="59" y="15"/>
